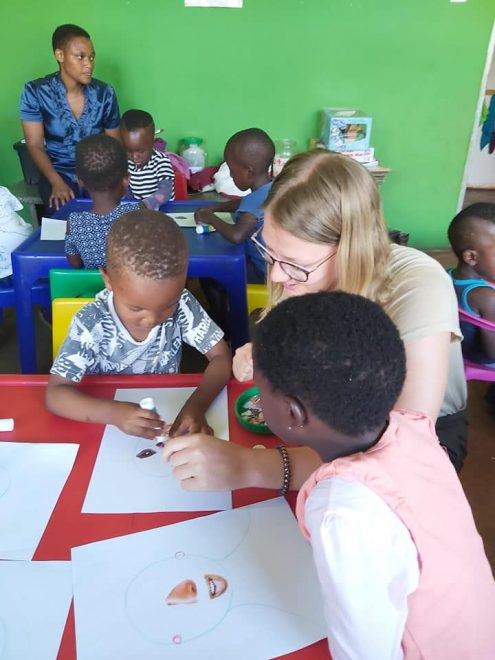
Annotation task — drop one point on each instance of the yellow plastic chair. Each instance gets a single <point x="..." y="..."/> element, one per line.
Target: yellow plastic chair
<point x="63" y="309"/>
<point x="257" y="296"/>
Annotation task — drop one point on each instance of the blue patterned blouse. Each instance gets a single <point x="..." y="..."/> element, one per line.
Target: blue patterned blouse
<point x="45" y="100"/>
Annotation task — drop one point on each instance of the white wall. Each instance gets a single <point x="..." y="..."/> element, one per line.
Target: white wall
<point x="480" y="168"/>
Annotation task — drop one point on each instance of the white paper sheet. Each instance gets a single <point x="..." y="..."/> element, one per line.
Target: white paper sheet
<point x="34" y="602"/>
<point x="187" y="219"/>
<point x="52" y="229"/>
<point x="123" y="483"/>
<point x="32" y="476"/>
<point x="267" y="605"/>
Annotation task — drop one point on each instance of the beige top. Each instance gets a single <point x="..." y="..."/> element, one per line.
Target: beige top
<point x="423" y="303"/>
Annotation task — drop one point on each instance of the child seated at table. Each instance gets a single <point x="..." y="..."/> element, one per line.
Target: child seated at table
<point x="472" y="237"/>
<point x="13" y="231"/>
<point x="137" y="325"/>
<point x="151" y="174"/>
<point x="249" y="155"/>
<point x="101" y="167"/>
<point x="402" y="568"/>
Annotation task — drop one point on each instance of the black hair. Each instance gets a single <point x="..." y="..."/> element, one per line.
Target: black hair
<point x="149" y="244"/>
<point x="65" y="33"/>
<point x="338" y="353"/>
<point x="462" y="230"/>
<point x="252" y="147"/>
<point x="133" y="120"/>
<point x="101" y="162"/>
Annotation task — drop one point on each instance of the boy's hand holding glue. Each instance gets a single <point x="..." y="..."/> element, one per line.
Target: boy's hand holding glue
<point x="158" y="430"/>
<point x="203" y="216"/>
<point x="132" y="419"/>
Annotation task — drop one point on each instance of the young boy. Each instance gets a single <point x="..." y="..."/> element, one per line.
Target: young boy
<point x="472" y="237"/>
<point x="101" y="167"/>
<point x="249" y="155"/>
<point x="402" y="568"/>
<point x="137" y="325"/>
<point x="151" y="175"/>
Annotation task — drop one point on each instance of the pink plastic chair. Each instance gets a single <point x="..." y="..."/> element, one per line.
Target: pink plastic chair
<point x="474" y="370"/>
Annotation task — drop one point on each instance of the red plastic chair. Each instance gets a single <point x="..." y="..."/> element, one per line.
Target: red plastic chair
<point x="474" y="370"/>
<point x="180" y="186"/>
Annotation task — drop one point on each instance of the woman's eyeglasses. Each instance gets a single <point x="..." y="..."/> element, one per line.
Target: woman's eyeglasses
<point x="295" y="272"/>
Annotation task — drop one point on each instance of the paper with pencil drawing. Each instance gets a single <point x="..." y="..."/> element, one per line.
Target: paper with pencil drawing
<point x="124" y="483"/>
<point x="236" y="584"/>
<point x="32" y="476"/>
<point x="34" y="602"/>
<point x="187" y="219"/>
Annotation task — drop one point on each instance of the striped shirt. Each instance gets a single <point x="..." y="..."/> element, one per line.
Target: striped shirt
<point x="143" y="181"/>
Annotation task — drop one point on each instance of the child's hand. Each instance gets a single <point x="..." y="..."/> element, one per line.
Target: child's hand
<point x="133" y="420"/>
<point x="202" y="216"/>
<point x="242" y="365"/>
<point x="190" y="420"/>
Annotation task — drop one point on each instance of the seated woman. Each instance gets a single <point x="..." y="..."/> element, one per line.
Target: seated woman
<point x="323" y="231"/>
<point x="59" y="110"/>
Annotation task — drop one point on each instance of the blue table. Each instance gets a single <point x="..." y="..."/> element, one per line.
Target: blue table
<point x="210" y="255"/>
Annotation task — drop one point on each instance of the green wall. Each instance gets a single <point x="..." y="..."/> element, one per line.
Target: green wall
<point x="414" y="65"/>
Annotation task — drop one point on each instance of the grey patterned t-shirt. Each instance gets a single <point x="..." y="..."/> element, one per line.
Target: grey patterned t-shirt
<point x="98" y="343"/>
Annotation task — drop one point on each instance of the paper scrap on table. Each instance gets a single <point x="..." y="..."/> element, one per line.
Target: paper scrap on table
<point x="32" y="476"/>
<point x="34" y="603"/>
<point x="236" y="584"/>
<point x="52" y="229"/>
<point x="124" y="483"/>
<point x="187" y="219"/>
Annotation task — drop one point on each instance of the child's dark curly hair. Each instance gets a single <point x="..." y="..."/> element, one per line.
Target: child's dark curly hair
<point x="149" y="244"/>
<point x="462" y="230"/>
<point x="101" y="162"/>
<point x="338" y="353"/>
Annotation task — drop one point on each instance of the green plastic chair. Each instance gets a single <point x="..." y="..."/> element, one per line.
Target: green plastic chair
<point x="75" y="283"/>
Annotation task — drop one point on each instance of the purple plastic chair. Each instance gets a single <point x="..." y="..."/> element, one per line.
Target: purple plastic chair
<point x="475" y="370"/>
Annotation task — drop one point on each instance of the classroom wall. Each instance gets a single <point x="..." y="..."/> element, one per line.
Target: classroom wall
<point x="414" y="65"/>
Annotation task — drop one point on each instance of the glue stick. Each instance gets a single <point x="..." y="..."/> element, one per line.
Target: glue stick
<point x="148" y="404"/>
<point x="204" y="229"/>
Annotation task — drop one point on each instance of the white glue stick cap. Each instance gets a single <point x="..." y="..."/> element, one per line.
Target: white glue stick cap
<point x="7" y="424"/>
<point x="147" y="404"/>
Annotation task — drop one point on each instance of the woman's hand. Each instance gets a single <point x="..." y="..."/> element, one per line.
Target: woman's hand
<point x="202" y="462"/>
<point x="242" y="365"/>
<point x="61" y="193"/>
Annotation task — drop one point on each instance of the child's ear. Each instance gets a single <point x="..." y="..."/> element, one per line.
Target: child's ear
<point x="470" y="257"/>
<point x="297" y="413"/>
<point x="106" y="279"/>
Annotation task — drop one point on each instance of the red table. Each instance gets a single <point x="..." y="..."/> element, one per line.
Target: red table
<point x="22" y="397"/>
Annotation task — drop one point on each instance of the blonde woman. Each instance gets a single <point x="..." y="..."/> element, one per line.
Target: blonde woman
<point x="324" y="230"/>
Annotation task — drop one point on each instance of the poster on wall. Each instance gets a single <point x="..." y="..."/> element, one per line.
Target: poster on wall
<point x="233" y="4"/>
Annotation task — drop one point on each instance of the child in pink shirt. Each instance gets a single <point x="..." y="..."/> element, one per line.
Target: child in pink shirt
<point x="402" y="567"/>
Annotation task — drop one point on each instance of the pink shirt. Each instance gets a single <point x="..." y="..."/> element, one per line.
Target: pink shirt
<point x="451" y="613"/>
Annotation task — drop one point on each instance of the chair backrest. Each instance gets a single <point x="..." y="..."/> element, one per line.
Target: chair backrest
<point x="63" y="309"/>
<point x="475" y="370"/>
<point x="257" y="296"/>
<point x="180" y="186"/>
<point x="75" y="283"/>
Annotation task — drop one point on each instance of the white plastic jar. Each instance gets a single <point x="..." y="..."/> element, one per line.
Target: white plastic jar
<point x="194" y="153"/>
<point x="284" y="149"/>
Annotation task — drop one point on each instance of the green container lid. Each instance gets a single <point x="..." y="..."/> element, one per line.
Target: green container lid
<point x="192" y="140"/>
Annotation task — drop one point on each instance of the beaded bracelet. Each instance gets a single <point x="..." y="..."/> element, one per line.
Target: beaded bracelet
<point x="286" y="468"/>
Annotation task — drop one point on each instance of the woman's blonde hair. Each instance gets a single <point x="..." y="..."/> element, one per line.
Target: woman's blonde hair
<point x="328" y="198"/>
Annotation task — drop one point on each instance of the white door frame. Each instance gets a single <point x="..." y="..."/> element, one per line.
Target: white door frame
<point x="481" y="97"/>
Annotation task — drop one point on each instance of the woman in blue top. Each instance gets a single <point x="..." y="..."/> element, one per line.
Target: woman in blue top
<point x="59" y="110"/>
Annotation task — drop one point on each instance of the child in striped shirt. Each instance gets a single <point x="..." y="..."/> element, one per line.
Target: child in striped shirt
<point x="151" y="175"/>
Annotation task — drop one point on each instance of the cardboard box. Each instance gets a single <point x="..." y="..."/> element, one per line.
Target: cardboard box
<point x="345" y="129"/>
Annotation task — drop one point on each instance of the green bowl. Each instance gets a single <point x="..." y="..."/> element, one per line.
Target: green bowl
<point x="239" y="408"/>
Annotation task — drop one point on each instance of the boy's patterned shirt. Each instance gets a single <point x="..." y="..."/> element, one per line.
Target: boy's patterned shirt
<point x="98" y="343"/>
